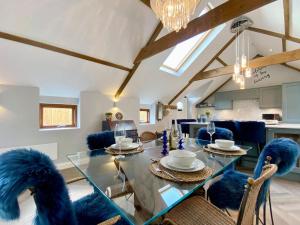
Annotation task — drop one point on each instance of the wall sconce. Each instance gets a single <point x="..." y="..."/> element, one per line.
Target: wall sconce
<point x="179" y="106"/>
<point x="115" y="104"/>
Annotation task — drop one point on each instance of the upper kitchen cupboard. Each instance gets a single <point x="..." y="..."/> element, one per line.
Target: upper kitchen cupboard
<point x="291" y="102"/>
<point x="270" y="97"/>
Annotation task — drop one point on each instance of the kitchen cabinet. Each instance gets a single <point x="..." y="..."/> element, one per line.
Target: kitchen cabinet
<point x="291" y="102"/>
<point x="270" y="97"/>
<point x="223" y="100"/>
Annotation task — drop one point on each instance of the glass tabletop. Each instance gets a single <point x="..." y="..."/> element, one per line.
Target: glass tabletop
<point x="152" y="196"/>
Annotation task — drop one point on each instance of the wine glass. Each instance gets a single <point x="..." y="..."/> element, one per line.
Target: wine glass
<point x="120" y="135"/>
<point x="211" y="129"/>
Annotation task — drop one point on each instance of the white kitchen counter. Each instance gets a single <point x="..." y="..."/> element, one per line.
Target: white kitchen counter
<point x="285" y="126"/>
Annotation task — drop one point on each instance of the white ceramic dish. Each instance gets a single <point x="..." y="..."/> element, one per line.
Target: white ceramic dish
<point x="232" y="149"/>
<point x="197" y="165"/>
<point x="124" y="148"/>
<point x="224" y="143"/>
<point x="183" y="158"/>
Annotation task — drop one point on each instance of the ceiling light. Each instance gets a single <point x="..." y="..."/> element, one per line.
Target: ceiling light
<point x="174" y="14"/>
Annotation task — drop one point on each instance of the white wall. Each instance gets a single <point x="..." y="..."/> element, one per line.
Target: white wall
<point x="19" y="119"/>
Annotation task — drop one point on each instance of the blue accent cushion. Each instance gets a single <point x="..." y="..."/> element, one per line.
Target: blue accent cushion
<point x="22" y="169"/>
<point x="229" y="190"/>
<point x="94" y="208"/>
<point x="100" y="140"/>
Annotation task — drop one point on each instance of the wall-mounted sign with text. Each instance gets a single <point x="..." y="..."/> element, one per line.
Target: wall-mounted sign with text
<point x="260" y="74"/>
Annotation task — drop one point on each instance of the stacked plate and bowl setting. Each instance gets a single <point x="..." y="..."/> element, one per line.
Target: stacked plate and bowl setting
<point x="124" y="146"/>
<point x="225" y="147"/>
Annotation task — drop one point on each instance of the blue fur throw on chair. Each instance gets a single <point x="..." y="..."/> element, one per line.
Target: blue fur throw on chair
<point x="221" y="133"/>
<point x="228" y="191"/>
<point x="29" y="169"/>
<point x="100" y="140"/>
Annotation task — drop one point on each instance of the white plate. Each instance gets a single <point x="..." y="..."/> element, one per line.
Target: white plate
<point x="198" y="165"/>
<point x="232" y="149"/>
<point x="129" y="147"/>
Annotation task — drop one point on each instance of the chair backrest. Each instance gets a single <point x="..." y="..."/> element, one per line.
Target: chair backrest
<point x="100" y="140"/>
<point x="253" y="131"/>
<point x="231" y="125"/>
<point x="248" y="205"/>
<point x="220" y="133"/>
<point x="148" y="136"/>
<point x="283" y="152"/>
<point x="23" y="169"/>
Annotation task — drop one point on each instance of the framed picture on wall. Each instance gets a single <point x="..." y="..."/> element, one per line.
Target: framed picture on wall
<point x="159" y="111"/>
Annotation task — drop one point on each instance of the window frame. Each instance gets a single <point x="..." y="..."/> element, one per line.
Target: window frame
<point x="68" y="106"/>
<point x="148" y="115"/>
<point x="188" y="55"/>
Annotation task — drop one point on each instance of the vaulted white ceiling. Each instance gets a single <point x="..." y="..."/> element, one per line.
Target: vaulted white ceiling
<point x="114" y="30"/>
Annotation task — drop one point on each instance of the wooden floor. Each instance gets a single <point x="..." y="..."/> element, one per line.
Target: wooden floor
<point x="285" y="198"/>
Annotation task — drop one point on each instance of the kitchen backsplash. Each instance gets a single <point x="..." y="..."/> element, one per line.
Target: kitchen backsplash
<point x="242" y="110"/>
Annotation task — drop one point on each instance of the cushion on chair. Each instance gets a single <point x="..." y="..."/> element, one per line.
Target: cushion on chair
<point x="100" y="140"/>
<point x="94" y="208"/>
<point x="22" y="169"/>
<point x="228" y="191"/>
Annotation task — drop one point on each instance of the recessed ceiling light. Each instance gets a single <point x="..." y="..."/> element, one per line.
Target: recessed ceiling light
<point x="271" y="50"/>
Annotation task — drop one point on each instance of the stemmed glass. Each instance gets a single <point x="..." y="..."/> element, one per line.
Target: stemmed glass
<point x="211" y="129"/>
<point x="120" y="135"/>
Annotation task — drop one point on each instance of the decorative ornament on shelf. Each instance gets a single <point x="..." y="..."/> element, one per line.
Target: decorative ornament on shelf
<point x="108" y="116"/>
<point x="119" y="116"/>
<point x="164" y="151"/>
<point x="242" y="70"/>
<point x="174" y="14"/>
<point x="180" y="143"/>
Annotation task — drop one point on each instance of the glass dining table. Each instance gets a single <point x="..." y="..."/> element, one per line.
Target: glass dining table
<point x="151" y="196"/>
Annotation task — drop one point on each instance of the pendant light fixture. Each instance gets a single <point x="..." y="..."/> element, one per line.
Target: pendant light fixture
<point x="242" y="69"/>
<point x="174" y="14"/>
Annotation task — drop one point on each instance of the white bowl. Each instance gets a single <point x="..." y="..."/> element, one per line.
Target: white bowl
<point x="182" y="157"/>
<point x="224" y="143"/>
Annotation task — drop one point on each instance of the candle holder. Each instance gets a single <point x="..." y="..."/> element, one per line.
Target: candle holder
<point x="164" y="151"/>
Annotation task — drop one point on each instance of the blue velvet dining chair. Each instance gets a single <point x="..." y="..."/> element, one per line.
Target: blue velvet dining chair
<point x="227" y="193"/>
<point x="231" y="125"/>
<point x="100" y="140"/>
<point x="254" y="133"/>
<point x="220" y="133"/>
<point x="24" y="169"/>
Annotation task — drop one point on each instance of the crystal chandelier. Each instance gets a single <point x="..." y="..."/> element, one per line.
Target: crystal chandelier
<point x="242" y="70"/>
<point x="174" y="14"/>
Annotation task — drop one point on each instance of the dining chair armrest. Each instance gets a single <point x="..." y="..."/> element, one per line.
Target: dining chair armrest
<point x="111" y="221"/>
<point x="73" y="180"/>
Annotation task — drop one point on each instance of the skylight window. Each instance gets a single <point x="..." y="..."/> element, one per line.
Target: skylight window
<point x="183" y="55"/>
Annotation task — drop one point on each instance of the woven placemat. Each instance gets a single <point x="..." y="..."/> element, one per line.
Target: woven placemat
<point x="226" y="153"/>
<point x="182" y="177"/>
<point x="127" y="152"/>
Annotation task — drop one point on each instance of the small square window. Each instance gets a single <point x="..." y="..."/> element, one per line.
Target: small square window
<point x="144" y="116"/>
<point x="58" y="115"/>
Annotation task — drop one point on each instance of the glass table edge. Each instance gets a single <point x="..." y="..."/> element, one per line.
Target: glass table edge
<point x="119" y="210"/>
<point x="166" y="210"/>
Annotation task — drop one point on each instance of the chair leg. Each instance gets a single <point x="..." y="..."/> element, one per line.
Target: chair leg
<point x="271" y="211"/>
<point x="257" y="218"/>
<point x="264" y="213"/>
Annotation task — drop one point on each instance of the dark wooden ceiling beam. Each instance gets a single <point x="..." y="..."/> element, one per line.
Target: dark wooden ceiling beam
<point x="286" y="9"/>
<point x="254" y="63"/>
<point x="56" y="49"/>
<point x="154" y="35"/>
<point x="219" y="15"/>
<point x="221" y="61"/>
<point x="274" y="34"/>
<point x="283" y="44"/>
<point x="146" y="2"/>
<point x="291" y="67"/>
<point x="204" y="68"/>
